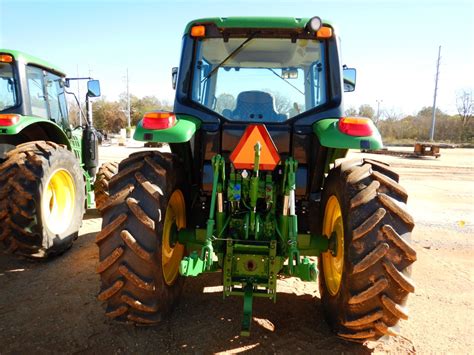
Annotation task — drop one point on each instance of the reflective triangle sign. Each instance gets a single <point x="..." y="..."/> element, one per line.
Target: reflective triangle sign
<point x="243" y="156"/>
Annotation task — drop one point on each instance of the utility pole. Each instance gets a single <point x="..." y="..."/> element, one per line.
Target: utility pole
<point x="433" y="119"/>
<point x="378" y="108"/>
<point x="128" y="107"/>
<point x="79" y="95"/>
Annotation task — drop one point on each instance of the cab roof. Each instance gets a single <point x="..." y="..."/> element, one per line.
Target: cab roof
<point x="254" y="22"/>
<point x="29" y="59"/>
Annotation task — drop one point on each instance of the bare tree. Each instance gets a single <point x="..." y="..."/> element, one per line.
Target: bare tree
<point x="351" y="111"/>
<point x="73" y="113"/>
<point x="282" y="102"/>
<point x="465" y="106"/>
<point x="392" y="115"/>
<point x="366" y="111"/>
<point x="225" y="101"/>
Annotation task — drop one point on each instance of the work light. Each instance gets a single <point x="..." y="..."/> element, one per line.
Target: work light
<point x="314" y="24"/>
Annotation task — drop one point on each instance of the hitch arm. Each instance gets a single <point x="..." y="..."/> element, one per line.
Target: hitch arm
<point x="194" y="265"/>
<point x="294" y="255"/>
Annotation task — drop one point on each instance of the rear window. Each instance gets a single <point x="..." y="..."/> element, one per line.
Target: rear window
<point x="259" y="79"/>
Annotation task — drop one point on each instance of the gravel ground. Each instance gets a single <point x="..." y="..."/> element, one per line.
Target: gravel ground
<point x="51" y="306"/>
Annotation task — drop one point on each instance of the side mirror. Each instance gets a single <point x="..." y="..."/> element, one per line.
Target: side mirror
<point x="349" y="79"/>
<point x="174" y="77"/>
<point x="93" y="88"/>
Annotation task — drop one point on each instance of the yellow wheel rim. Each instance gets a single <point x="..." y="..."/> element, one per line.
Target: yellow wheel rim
<point x="333" y="265"/>
<point x="172" y="252"/>
<point x="57" y="201"/>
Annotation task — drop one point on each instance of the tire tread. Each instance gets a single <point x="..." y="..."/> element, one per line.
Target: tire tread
<point x="378" y="253"/>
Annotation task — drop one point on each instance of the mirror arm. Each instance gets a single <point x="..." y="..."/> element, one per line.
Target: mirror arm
<point x="78" y="105"/>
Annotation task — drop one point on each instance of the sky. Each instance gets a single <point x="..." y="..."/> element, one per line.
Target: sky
<point x="392" y="44"/>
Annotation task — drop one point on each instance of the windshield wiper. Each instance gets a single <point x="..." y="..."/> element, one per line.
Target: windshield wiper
<point x="234" y="52"/>
<point x="274" y="72"/>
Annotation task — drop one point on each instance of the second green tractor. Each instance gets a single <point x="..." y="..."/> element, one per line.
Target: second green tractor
<point x="47" y="167"/>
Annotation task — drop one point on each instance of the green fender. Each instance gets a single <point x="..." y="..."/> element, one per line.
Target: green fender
<point x="181" y="132"/>
<point x="330" y="136"/>
<point x="55" y="133"/>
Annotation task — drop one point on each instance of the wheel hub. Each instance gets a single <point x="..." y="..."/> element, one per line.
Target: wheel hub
<point x="333" y="259"/>
<point x="173" y="235"/>
<point x="171" y="250"/>
<point x="58" y="201"/>
<point x="332" y="244"/>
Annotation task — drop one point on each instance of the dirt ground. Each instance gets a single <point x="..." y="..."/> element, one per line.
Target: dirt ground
<point x="51" y="306"/>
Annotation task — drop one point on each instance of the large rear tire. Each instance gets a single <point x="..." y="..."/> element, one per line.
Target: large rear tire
<point x="138" y="248"/>
<point x="41" y="199"/>
<point x="101" y="184"/>
<point x="364" y="284"/>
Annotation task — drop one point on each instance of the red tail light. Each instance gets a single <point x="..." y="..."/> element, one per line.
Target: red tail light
<point x="356" y="126"/>
<point x="159" y="120"/>
<point x="9" y="119"/>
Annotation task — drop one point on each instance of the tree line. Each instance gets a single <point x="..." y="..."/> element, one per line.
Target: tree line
<point x="398" y="128"/>
<point x="111" y="116"/>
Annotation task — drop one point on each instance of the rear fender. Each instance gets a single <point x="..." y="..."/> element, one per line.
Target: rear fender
<point x="32" y="129"/>
<point x="330" y="136"/>
<point x="181" y="132"/>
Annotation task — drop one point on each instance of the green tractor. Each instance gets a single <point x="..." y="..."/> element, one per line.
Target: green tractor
<point x="255" y="187"/>
<point x="46" y="166"/>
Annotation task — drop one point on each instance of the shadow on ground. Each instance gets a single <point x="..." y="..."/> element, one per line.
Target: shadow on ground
<point x="51" y="307"/>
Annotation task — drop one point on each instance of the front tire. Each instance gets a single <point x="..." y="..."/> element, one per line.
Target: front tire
<point x="365" y="284"/>
<point x="138" y="248"/>
<point x="41" y="199"/>
<point x="101" y="184"/>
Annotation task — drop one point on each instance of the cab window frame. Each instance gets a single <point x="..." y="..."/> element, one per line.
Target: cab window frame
<point x="33" y="69"/>
<point x="195" y="45"/>
<point x="16" y="89"/>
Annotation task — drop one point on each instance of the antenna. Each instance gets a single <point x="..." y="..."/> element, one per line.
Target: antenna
<point x="433" y="119"/>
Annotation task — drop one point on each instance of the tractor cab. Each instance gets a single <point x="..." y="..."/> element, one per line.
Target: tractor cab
<point x="32" y="87"/>
<point x="270" y="73"/>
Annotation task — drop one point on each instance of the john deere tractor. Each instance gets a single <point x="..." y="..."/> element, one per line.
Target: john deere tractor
<point x="46" y="166"/>
<point x="255" y="186"/>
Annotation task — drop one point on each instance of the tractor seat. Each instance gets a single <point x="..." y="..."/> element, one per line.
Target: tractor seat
<point x="255" y="105"/>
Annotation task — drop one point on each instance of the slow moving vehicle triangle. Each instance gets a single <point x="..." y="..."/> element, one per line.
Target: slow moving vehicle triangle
<point x="244" y="154"/>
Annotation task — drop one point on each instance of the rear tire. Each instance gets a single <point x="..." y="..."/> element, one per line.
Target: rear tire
<point x="139" y="258"/>
<point x="41" y="199"/>
<point x="368" y="300"/>
<point x="101" y="184"/>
